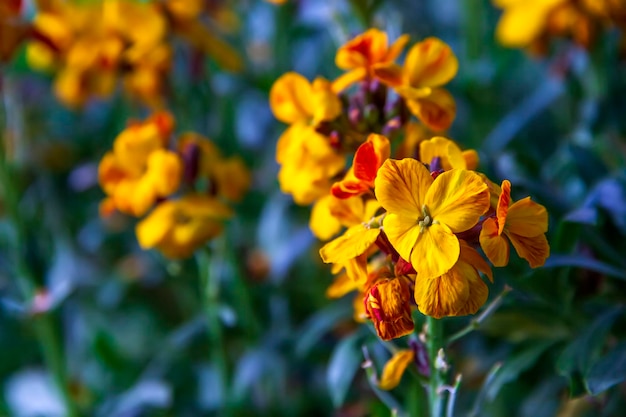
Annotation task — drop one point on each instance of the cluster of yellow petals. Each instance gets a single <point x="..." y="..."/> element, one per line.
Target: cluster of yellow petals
<point x="91" y="45"/>
<point x="142" y="173"/>
<point x="528" y="23"/>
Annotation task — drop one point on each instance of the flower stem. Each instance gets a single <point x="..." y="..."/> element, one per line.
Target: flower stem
<point x="43" y="322"/>
<point x="434" y="343"/>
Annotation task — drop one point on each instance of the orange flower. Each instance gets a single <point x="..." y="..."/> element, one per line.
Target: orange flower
<point x="429" y="65"/>
<point x="363" y="53"/>
<point x="423" y="214"/>
<point x="523" y="223"/>
<point x="388" y="304"/>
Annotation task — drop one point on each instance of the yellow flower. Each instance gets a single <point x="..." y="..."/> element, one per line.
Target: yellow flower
<point x="330" y="213"/>
<point x="449" y="154"/>
<point x="423" y="214"/>
<point x="388" y="304"/>
<point x="523" y="21"/>
<point x="140" y="170"/>
<point x="178" y="227"/>
<point x="429" y="65"/>
<point x="363" y="53"/>
<point x="458" y="292"/>
<point x="523" y="223"/>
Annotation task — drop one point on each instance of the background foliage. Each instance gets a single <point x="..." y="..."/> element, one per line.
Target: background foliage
<point x="133" y="325"/>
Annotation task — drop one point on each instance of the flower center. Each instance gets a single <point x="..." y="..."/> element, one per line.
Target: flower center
<point x="425" y="220"/>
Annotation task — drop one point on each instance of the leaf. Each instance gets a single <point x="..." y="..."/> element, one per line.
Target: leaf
<point x="515" y="365"/>
<point x="577" y="357"/>
<point x="608" y="371"/>
<point x="318" y="325"/>
<point x="344" y="362"/>
<point x="556" y="261"/>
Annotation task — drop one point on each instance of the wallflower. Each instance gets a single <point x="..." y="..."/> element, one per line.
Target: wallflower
<point x="449" y="154"/>
<point x="140" y="170"/>
<point x="330" y="213"/>
<point x="388" y="304"/>
<point x="363" y="53"/>
<point x="428" y="65"/>
<point x="395" y="367"/>
<point x="178" y="227"/>
<point x="523" y="223"/>
<point x="423" y="214"/>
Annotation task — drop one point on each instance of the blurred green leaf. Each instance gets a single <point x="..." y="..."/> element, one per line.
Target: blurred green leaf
<point x="556" y="261"/>
<point x="608" y="371"/>
<point x="319" y="324"/>
<point x="344" y="362"/>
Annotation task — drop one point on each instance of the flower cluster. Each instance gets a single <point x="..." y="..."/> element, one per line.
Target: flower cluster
<point x="187" y="185"/>
<point x="90" y="45"/>
<point x="532" y="23"/>
<point x="415" y="226"/>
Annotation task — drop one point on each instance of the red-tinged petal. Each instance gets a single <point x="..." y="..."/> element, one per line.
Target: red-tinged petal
<point x="534" y="249"/>
<point x="346" y="80"/>
<point x="394" y="369"/>
<point x="370" y="156"/>
<point x="388" y="73"/>
<point x="527" y="218"/>
<point x="355" y="241"/>
<point x="430" y="63"/>
<point x="401" y="187"/>
<point x="458" y="198"/>
<point x="495" y="246"/>
<point x="388" y="304"/>
<point x="436" y="250"/>
<point x="396" y="48"/>
<point x="437" y="110"/>
<point x="503" y="205"/>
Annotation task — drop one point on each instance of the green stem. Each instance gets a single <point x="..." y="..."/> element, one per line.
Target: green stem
<point x="47" y="337"/>
<point x="210" y="293"/>
<point x="434" y="343"/>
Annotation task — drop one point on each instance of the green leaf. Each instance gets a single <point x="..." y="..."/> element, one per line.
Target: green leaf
<point x="344" y="362"/>
<point x="321" y="323"/>
<point x="608" y="371"/>
<point x="578" y="356"/>
<point x="516" y="364"/>
<point x="556" y="261"/>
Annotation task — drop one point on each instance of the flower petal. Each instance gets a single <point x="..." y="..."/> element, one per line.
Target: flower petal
<point x="445" y="149"/>
<point x="458" y="198"/>
<point x="322" y="223"/>
<point x="430" y="63"/>
<point x="442" y="296"/>
<point x="527" y="218"/>
<point x="290" y="98"/>
<point x="534" y="249"/>
<point x="355" y="241"/>
<point x="435" y="251"/>
<point x="495" y="246"/>
<point x="402" y="233"/>
<point x="437" y="110"/>
<point x="401" y="185"/>
<point x="394" y="369"/>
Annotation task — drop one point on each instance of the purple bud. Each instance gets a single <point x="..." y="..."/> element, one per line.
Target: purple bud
<point x="421" y="356"/>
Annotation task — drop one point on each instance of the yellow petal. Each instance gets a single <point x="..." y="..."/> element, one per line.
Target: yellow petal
<point x="390" y="74"/>
<point x="478" y="291"/>
<point x="442" y="296"/>
<point x="527" y="218"/>
<point x="430" y="63"/>
<point x="326" y="103"/>
<point x="534" y="249"/>
<point x="153" y="229"/>
<point x="471" y="159"/>
<point x="290" y="98"/>
<point x="346" y="80"/>
<point x="522" y="23"/>
<point x="401" y="186"/>
<point x="458" y="198"/>
<point x="495" y="246"/>
<point x="445" y="149"/>
<point x="165" y="169"/>
<point x="322" y="223"/>
<point x="394" y="369"/>
<point x="470" y="256"/>
<point x="437" y="110"/>
<point x="355" y="241"/>
<point x="402" y="232"/>
<point x="341" y="286"/>
<point x="435" y="252"/>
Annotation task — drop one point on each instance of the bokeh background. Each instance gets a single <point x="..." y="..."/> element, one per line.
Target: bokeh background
<point x="133" y="331"/>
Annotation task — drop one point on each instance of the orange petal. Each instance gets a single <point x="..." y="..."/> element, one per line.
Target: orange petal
<point x="504" y="200"/>
<point x="437" y="110"/>
<point x="388" y="304"/>
<point x="478" y="291"/>
<point x="442" y="296"/>
<point x="388" y="73"/>
<point x="495" y="246"/>
<point x="346" y="80"/>
<point x="458" y="198"/>
<point x="401" y="186"/>
<point x="430" y="63"/>
<point x="370" y="156"/>
<point x="470" y="256"/>
<point x="396" y="48"/>
<point x="527" y="218"/>
<point x="394" y="369"/>
<point x="445" y="149"/>
<point x="534" y="249"/>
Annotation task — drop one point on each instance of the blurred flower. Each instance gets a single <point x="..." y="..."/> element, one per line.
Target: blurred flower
<point x="178" y="227"/>
<point x="524" y="223"/>
<point x="395" y="367"/>
<point x="12" y="30"/>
